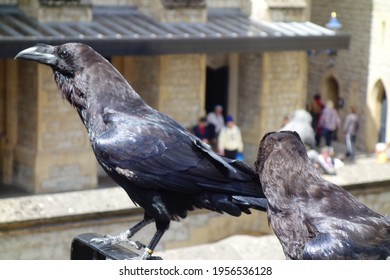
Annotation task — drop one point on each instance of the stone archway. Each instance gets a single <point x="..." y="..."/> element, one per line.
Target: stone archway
<point x="331" y="90"/>
<point x="383" y="118"/>
<point x="377" y="117"/>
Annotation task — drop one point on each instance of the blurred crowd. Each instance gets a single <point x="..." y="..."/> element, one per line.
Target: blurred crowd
<point x="223" y="135"/>
<point x="318" y="126"/>
<point x="320" y="122"/>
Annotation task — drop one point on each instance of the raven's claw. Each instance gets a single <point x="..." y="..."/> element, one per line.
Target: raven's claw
<point x="118" y="239"/>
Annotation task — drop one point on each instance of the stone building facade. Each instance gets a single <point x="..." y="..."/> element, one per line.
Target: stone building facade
<point x="44" y="147"/>
<point x="358" y="76"/>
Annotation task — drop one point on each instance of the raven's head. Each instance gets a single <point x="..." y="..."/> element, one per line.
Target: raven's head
<point x="60" y="58"/>
<point x="68" y="62"/>
<point x="284" y="144"/>
<point x="86" y="79"/>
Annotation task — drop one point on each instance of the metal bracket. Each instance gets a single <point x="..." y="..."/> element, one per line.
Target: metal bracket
<point x="83" y="249"/>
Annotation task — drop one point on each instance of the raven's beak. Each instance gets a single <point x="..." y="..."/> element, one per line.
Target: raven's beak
<point x="40" y="53"/>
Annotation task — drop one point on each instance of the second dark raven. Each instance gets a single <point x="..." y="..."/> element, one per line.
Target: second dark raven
<point x="313" y="218"/>
<point x="162" y="167"/>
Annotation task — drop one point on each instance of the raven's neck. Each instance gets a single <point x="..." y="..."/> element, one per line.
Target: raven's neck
<point x="93" y="101"/>
<point x="68" y="90"/>
<point x="95" y="115"/>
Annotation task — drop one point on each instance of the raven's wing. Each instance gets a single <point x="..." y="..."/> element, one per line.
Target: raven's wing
<point x="361" y="235"/>
<point x="154" y="151"/>
<point x="344" y="228"/>
<point x="326" y="246"/>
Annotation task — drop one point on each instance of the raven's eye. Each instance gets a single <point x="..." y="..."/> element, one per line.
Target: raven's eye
<point x="64" y="54"/>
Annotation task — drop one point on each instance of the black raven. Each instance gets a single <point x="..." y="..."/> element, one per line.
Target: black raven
<point x="313" y="218"/>
<point x="162" y="167"/>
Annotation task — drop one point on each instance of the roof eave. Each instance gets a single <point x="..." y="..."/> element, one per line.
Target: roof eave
<point x="208" y="45"/>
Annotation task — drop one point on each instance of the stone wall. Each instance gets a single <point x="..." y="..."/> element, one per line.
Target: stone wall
<point x="182" y="87"/>
<point x="43" y="226"/>
<point x="172" y="84"/>
<point x="3" y="90"/>
<point x="53" y="242"/>
<point x="288" y="10"/>
<point x="176" y="13"/>
<point x="115" y="2"/>
<point x="71" y="11"/>
<point x="8" y="117"/>
<point x="271" y="85"/>
<point x="284" y="87"/>
<point x="378" y="70"/>
<point x="3" y="139"/>
<point x="52" y="145"/>
<point x="9" y="2"/>
<point x="142" y="73"/>
<point x="249" y="103"/>
<point x="349" y="67"/>
<point x="376" y="197"/>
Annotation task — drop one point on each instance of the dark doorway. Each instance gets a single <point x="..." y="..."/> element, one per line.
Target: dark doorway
<point x="217" y="88"/>
<point x="332" y="92"/>
<point x="383" y="119"/>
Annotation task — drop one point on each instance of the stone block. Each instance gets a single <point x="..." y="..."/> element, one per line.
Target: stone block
<point x="49" y="11"/>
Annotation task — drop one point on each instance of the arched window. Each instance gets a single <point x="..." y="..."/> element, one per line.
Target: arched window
<point x="331" y="91"/>
<point x="382" y="117"/>
<point x="376" y="119"/>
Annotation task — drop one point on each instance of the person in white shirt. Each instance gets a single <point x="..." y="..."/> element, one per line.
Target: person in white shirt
<point x="230" y="140"/>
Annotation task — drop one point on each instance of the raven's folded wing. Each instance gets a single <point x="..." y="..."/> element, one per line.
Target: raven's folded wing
<point x="324" y="247"/>
<point x="165" y="156"/>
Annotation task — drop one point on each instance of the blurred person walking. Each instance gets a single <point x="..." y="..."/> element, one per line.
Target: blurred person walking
<point x="315" y="109"/>
<point x="351" y="127"/>
<point x="329" y="122"/>
<point x="216" y="118"/>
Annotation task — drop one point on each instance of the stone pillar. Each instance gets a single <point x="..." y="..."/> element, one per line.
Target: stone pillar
<point x="233" y="90"/>
<point x="182" y="86"/>
<point x="3" y="138"/>
<point x="9" y="115"/>
<point x="249" y="103"/>
<point x="284" y="87"/>
<point x="57" y="11"/>
<point x="143" y="74"/>
<point x="272" y="85"/>
<point x="174" y="84"/>
<point x="175" y="11"/>
<point x="288" y="10"/>
<point x="52" y="152"/>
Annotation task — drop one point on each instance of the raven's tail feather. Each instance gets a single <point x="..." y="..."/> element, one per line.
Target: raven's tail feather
<point x="257" y="203"/>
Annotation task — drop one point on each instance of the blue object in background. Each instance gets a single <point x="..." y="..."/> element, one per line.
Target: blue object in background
<point x="240" y="156"/>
